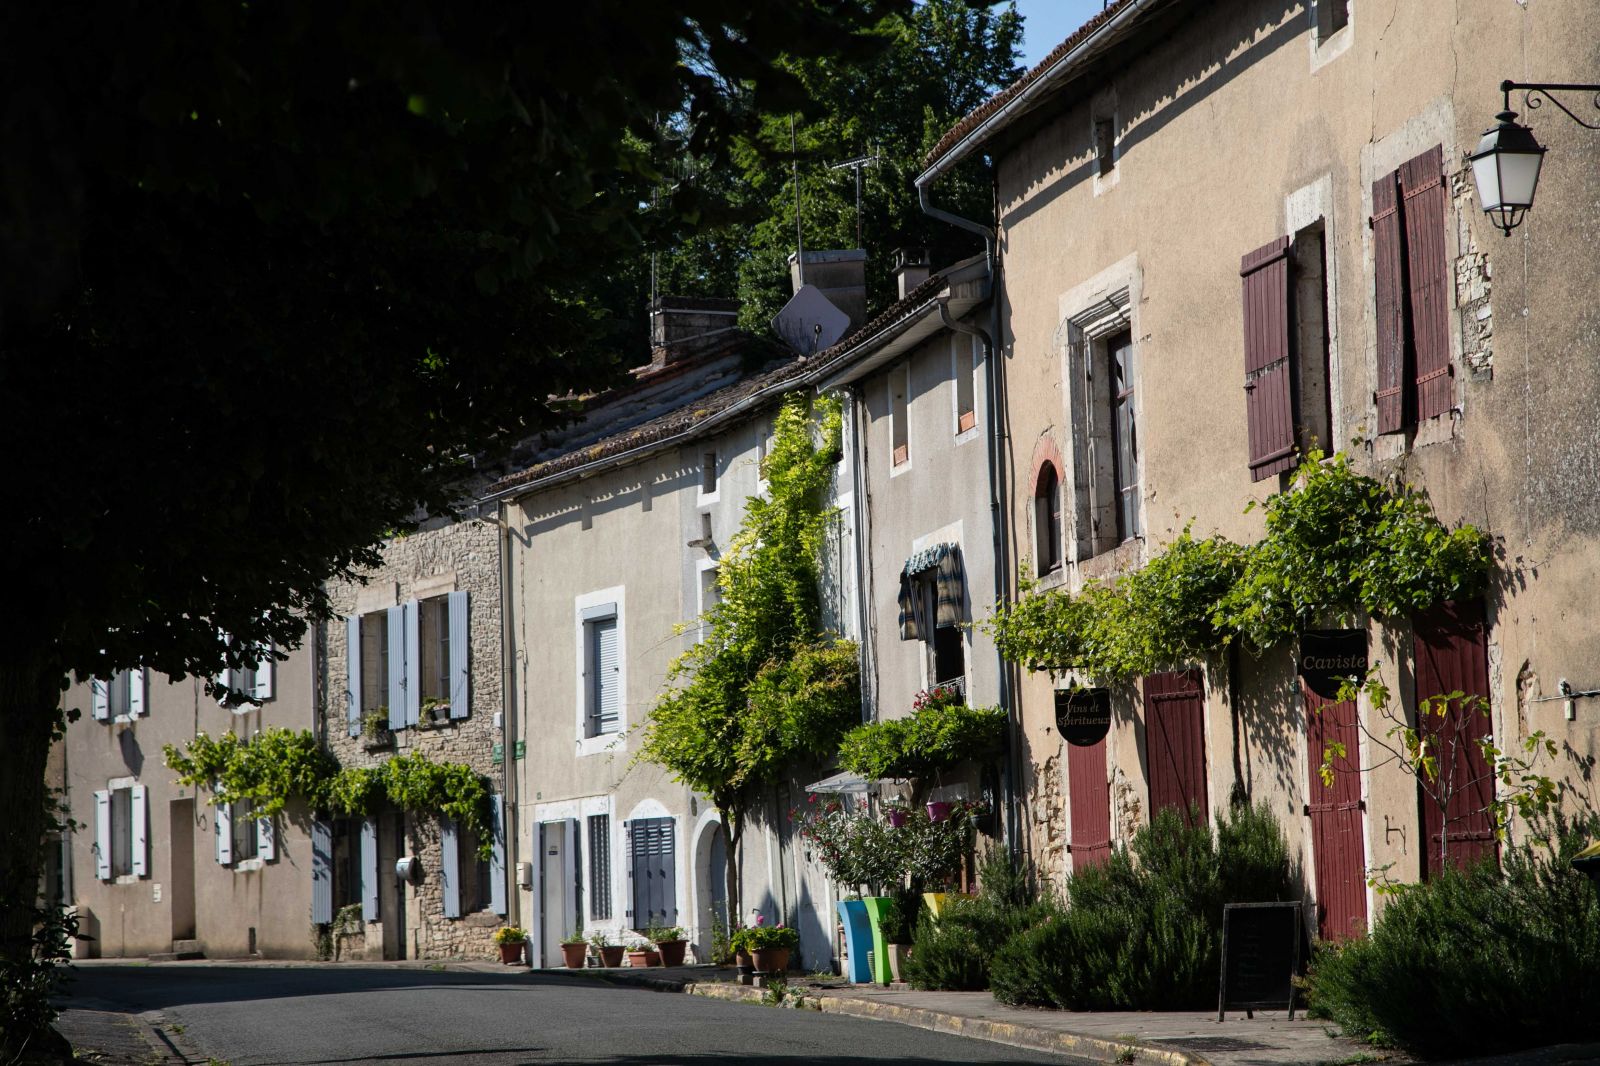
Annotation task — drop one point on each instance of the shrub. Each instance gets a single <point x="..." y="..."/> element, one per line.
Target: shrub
<point x="938" y="735"/>
<point x="1143" y="931"/>
<point x="952" y="952"/>
<point x="1476" y="962"/>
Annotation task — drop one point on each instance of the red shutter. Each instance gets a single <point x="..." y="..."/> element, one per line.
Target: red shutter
<point x="1428" y="274"/>
<point x="1390" y="309"/>
<point x="1089" y="804"/>
<point x="1268" y="364"/>
<point x="1452" y="655"/>
<point x="1339" y="850"/>
<point x="1175" y="746"/>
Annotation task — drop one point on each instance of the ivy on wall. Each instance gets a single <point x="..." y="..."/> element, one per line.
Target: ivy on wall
<point x="1336" y="543"/>
<point x="277" y="765"/>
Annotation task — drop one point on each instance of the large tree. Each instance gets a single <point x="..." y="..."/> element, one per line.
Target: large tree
<point x="273" y="274"/>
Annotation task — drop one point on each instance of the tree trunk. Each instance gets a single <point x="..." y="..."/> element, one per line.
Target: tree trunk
<point x="732" y="831"/>
<point x="28" y="691"/>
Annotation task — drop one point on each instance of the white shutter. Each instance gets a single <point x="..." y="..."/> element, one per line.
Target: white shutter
<point x="224" y="834"/>
<point x="369" y="870"/>
<point x="413" y="644"/>
<point x="264" y="669"/>
<point x="99" y="699"/>
<point x="141" y="828"/>
<point x="459" y="654"/>
<point x="397" y="667"/>
<point x="138" y="687"/>
<point x="102" y="834"/>
<point x="352" y="676"/>
<point x="450" y="867"/>
<point x="497" y="858"/>
<point x="267" y="841"/>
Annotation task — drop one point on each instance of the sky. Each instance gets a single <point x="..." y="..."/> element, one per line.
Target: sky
<point x="1046" y="23"/>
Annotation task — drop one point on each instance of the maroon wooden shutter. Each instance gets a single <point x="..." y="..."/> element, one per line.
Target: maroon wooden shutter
<point x="1175" y="746"/>
<point x="1268" y="365"/>
<point x="1428" y="274"/>
<point x="1452" y="655"/>
<point x="1390" y="309"/>
<point x="1339" y="849"/>
<point x="1089" y="810"/>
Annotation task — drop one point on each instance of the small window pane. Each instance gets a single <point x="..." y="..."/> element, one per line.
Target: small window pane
<point x="599" y="867"/>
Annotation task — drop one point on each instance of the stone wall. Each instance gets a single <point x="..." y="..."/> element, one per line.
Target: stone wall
<point x="462" y="556"/>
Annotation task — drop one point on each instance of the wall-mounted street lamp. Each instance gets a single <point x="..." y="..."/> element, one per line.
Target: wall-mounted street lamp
<point x="1506" y="165"/>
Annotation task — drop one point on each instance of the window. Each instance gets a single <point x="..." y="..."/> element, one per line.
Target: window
<point x="1047" y="520"/>
<point x="1124" y="430"/>
<point x="433" y="642"/>
<point x="1105" y="145"/>
<point x="1412" y="293"/>
<point x="122" y="699"/>
<point x="599" y="867"/>
<point x="708" y="473"/>
<point x="121" y="830"/>
<point x="964" y="355"/>
<point x="899" y="396"/>
<point x="603" y="674"/>
<point x="1101" y="375"/>
<point x="346" y="862"/>
<point x="1332" y="16"/>
<point x="407" y="657"/>
<point x="374" y="660"/>
<point x="949" y="655"/>
<point x="933" y="608"/>
<point x="246" y="831"/>
<point x="710" y="591"/>
<point x="242" y="837"/>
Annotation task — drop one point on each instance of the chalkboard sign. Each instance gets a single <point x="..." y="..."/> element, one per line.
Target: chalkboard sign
<point x="1260" y="957"/>
<point x="1328" y="656"/>
<point x="1083" y="715"/>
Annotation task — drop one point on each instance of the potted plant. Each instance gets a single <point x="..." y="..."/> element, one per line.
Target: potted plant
<point x="575" y="950"/>
<point x="672" y="943"/>
<point x="375" y="732"/>
<point x="744" y="965"/>
<point x="610" y="953"/>
<point x="644" y="954"/>
<point x="435" y="713"/>
<point x="939" y="810"/>
<point x="896" y="813"/>
<point x="511" y="940"/>
<point x="899" y="919"/>
<point x="770" y="945"/>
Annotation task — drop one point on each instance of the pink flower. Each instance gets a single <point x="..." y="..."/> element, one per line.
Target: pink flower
<point x="761" y="919"/>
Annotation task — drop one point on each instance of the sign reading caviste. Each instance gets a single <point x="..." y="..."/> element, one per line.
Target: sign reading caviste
<point x="1083" y="715"/>
<point x="1328" y="656"/>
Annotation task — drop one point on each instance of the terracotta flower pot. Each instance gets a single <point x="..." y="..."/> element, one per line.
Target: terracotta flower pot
<point x="672" y="952"/>
<point x="939" y="810"/>
<point x="574" y="955"/>
<point x="771" y="960"/>
<point x="644" y="957"/>
<point x="611" y="957"/>
<point x="511" y="954"/>
<point x="745" y="965"/>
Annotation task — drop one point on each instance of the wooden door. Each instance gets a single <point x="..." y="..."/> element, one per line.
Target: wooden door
<point x="1088" y="805"/>
<point x="1338" y="844"/>
<point x="1452" y="655"/>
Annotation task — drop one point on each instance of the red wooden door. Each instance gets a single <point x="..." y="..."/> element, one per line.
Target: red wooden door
<point x="1175" y="746"/>
<point x="1089" y="805"/>
<point x="1452" y="655"/>
<point x="1338" y="847"/>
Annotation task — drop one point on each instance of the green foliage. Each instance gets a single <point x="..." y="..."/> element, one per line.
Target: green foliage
<point x="765" y="937"/>
<point x="953" y="952"/>
<point x="513" y="934"/>
<point x="854" y="848"/>
<point x="278" y="765"/>
<point x="1472" y="963"/>
<point x="899" y="921"/>
<point x="934" y="738"/>
<point x="1143" y="930"/>
<point x="1336" y="542"/>
<point x="29" y="985"/>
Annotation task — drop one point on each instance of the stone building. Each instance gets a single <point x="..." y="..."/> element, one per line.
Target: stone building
<point x="1228" y="233"/>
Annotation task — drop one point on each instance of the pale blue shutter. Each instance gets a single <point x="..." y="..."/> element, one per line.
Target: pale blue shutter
<point x="99" y="699"/>
<point x="138" y="688"/>
<point x="141" y="828"/>
<point x="497" y="858"/>
<point x="450" y="867"/>
<point x="321" y="873"/>
<point x="413" y="676"/>
<point x="369" y="870"/>
<point x="397" y="667"/>
<point x="352" y="673"/>
<point x="607" y="698"/>
<point x="458" y="654"/>
<point x="224" y="834"/>
<point x="266" y="840"/>
<point x="102" y="834"/>
<point x="263" y="679"/>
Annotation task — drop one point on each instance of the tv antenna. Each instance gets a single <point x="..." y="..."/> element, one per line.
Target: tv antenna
<point x="858" y="164"/>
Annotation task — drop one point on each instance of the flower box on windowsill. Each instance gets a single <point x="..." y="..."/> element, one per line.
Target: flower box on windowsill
<point x="379" y="740"/>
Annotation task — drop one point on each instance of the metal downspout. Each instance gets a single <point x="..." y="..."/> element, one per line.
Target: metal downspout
<point x="858" y="518"/>
<point x="509" y="820"/>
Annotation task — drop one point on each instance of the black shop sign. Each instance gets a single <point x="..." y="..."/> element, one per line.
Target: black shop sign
<point x="1083" y="715"/>
<point x="1329" y="656"/>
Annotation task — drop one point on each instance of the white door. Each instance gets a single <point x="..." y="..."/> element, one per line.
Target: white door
<point x="558" y="903"/>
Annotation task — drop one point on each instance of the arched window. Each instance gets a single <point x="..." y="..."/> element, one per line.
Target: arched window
<point x="1047" y="520"/>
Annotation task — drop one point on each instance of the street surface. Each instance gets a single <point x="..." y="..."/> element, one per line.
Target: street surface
<point x="258" y="1015"/>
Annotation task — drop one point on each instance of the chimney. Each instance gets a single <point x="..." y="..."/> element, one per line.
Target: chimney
<point x="841" y="275"/>
<point x="910" y="269"/>
<point x="681" y="326"/>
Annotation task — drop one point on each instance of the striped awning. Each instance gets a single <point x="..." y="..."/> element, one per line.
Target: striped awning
<point x="932" y="591"/>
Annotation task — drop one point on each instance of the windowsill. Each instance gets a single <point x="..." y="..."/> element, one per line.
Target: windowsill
<point x="967" y="435"/>
<point x="1054" y="579"/>
<point x="707" y="499"/>
<point x="248" y="866"/>
<point x="125" y="879"/>
<point x="600" y="745"/>
<point x="903" y="467"/>
<point x="1112" y="562"/>
<point x="1331" y="47"/>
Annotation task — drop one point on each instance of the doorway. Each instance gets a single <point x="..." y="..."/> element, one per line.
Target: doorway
<point x="180" y="881"/>
<point x="558" y="856"/>
<point x="391" y="890"/>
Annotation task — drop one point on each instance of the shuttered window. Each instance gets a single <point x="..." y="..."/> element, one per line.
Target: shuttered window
<point x="653" y="868"/>
<point x="1125" y="436"/>
<point x="1269" y="372"/>
<point x="1174" y="707"/>
<point x="1411" y="291"/>
<point x="604" y="680"/>
<point x="599" y="867"/>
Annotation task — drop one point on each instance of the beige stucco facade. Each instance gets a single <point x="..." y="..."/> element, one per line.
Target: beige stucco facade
<point x="1235" y="125"/>
<point x="146" y="876"/>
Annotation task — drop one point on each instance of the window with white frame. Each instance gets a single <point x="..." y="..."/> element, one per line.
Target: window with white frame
<point x="602" y="671"/>
<point x="246" y="831"/>
<point x="121" y="830"/>
<point x="121" y="699"/>
<point x="964" y="355"/>
<point x="1102" y="374"/>
<point x="243" y="836"/>
<point x="899" y="386"/>
<point x="710" y="591"/>
<point x="255" y="680"/>
<point x="1331" y="16"/>
<point x="708" y="472"/>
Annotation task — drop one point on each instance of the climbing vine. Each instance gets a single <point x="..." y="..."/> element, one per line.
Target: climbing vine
<point x="277" y="765"/>
<point x="1336" y="543"/>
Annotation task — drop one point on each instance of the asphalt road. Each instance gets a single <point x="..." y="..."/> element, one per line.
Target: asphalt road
<point x="264" y="1016"/>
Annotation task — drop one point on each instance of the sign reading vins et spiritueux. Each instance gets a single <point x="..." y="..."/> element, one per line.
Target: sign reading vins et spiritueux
<point x="1328" y="656"/>
<point x="1083" y="715"/>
